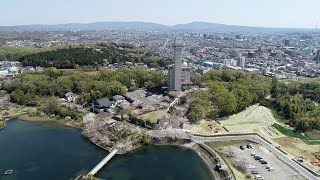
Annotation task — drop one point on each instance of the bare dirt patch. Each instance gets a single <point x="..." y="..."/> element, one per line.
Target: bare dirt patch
<point x="298" y="148"/>
<point x="205" y="127"/>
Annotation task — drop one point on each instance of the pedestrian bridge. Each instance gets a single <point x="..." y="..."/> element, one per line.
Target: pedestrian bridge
<point x="103" y="162"/>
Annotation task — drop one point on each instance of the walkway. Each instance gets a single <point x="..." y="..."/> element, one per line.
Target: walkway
<point x="222" y="161"/>
<point x="103" y="162"/>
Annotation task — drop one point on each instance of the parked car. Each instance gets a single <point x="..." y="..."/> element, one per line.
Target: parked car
<point x="254" y="172"/>
<point x="271" y="169"/>
<point x="253" y="154"/>
<point x="249" y="146"/>
<point x="263" y="162"/>
<point x="251" y="167"/>
<point x="242" y="147"/>
<point x="258" y="158"/>
<point x="258" y="177"/>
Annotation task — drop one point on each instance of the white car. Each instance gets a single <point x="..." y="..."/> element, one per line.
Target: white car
<point x="251" y="167"/>
<point x="270" y="169"/>
<point x="258" y="176"/>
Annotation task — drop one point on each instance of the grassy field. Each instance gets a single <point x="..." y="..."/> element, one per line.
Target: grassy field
<point x="152" y="116"/>
<point x="313" y="135"/>
<point x="17" y="110"/>
<point x="295" y="134"/>
<point x="278" y="116"/>
<point x="255" y="119"/>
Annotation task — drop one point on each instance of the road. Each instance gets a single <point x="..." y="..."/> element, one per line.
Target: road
<point x="259" y="140"/>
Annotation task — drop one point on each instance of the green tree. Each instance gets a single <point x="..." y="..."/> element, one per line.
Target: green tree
<point x="196" y="78"/>
<point x="196" y="112"/>
<point x="144" y="138"/>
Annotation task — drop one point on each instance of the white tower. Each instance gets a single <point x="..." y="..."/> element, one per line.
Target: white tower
<point x="176" y="79"/>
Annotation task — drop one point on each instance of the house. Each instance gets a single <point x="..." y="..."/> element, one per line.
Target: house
<point x="110" y="123"/>
<point x="29" y="69"/>
<point x="3" y="72"/>
<point x="71" y="97"/>
<point x="118" y="98"/>
<point x="39" y="69"/>
<point x="101" y="105"/>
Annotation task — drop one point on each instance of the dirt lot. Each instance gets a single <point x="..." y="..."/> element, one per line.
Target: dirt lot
<point x="205" y="127"/>
<point x="254" y="119"/>
<point x="298" y="148"/>
<point x="282" y="171"/>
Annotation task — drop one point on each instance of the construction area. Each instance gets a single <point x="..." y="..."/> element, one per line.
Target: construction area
<point x="298" y="149"/>
<point x="205" y="128"/>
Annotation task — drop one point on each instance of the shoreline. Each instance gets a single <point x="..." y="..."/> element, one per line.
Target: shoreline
<point x="190" y="146"/>
<point x="26" y="117"/>
<point x="215" y="175"/>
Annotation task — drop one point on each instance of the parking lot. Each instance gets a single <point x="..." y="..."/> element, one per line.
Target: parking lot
<point x="281" y="170"/>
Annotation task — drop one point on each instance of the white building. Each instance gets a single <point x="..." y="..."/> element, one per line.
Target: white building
<point x="241" y="62"/>
<point x="178" y="76"/>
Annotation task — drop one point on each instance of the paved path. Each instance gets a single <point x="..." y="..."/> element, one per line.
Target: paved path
<point x="208" y="148"/>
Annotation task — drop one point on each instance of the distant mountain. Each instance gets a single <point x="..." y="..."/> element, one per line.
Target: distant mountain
<point x="147" y="26"/>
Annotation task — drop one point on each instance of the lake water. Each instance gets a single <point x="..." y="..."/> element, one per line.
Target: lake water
<point x="49" y="151"/>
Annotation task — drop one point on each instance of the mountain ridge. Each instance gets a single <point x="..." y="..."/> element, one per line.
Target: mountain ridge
<point x="146" y="26"/>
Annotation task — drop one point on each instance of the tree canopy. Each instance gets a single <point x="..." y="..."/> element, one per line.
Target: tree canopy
<point x="105" y="83"/>
<point x="228" y="92"/>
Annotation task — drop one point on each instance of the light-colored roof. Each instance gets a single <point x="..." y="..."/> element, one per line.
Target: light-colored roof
<point x="69" y="94"/>
<point x="110" y="121"/>
<point x="178" y="42"/>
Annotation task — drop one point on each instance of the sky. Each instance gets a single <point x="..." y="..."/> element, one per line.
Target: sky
<point x="260" y="13"/>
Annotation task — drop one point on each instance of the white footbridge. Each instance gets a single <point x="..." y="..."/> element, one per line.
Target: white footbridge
<point x="103" y="162"/>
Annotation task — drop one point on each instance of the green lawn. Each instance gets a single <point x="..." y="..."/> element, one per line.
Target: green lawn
<point x="17" y="110"/>
<point x="152" y="116"/>
<point x="314" y="134"/>
<point x="295" y="134"/>
<point x="278" y="116"/>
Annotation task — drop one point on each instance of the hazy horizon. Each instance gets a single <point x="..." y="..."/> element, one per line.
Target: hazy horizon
<point x="271" y="13"/>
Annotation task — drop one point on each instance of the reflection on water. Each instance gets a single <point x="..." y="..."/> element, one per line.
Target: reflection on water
<point x="156" y="163"/>
<point x="49" y="151"/>
<point x="45" y="151"/>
